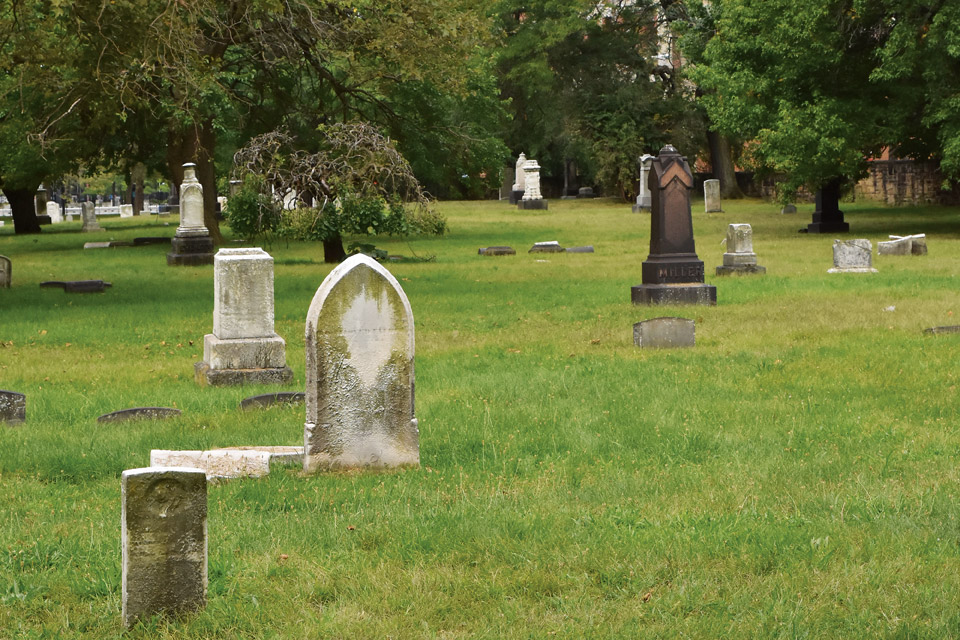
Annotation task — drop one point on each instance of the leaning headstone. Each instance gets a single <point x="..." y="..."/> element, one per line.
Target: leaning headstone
<point x="788" y="208"/>
<point x="192" y="245"/>
<point x="664" y="333"/>
<point x="532" y="198"/>
<point x="360" y="371"/>
<point x="672" y="273"/>
<point x="6" y="272"/>
<point x="497" y="251"/>
<point x="140" y="413"/>
<point x="852" y="256"/>
<point x="164" y="541"/>
<point x="54" y="211"/>
<point x="546" y="247"/>
<point x="13" y="407"/>
<point x="519" y="180"/>
<point x="243" y="348"/>
<point x="88" y="213"/>
<point x="711" y="196"/>
<point x="739" y="257"/>
<point x="643" y="193"/>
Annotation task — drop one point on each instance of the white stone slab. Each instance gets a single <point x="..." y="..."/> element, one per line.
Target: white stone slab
<point x="235" y="462"/>
<point x="711" y="196"/>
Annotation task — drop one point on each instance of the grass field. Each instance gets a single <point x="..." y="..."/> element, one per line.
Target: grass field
<point x="792" y="476"/>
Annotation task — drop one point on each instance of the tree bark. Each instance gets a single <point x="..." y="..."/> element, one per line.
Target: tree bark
<point x="721" y="157"/>
<point x="22" y="206"/>
<point x="333" y="250"/>
<point x="197" y="144"/>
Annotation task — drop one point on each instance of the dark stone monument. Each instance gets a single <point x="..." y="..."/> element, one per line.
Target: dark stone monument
<point x="13" y="407"/>
<point x="672" y="273"/>
<point x="571" y="181"/>
<point x="827" y="217"/>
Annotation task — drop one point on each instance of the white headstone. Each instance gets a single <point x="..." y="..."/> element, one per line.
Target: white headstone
<point x="739" y="257"/>
<point x="711" y="196"/>
<point x="53" y="210"/>
<point x="164" y="541"/>
<point x="360" y="371"/>
<point x="852" y="256"/>
<point x="519" y="175"/>
<point x="644" y="199"/>
<point x="531" y="172"/>
<point x="191" y="204"/>
<point x="126" y="211"/>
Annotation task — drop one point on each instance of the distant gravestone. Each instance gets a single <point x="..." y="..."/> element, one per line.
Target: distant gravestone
<point x="739" y="257"/>
<point x="903" y="246"/>
<point x="586" y="249"/>
<point x="360" y="371"/>
<point x="711" y="196"/>
<point x="519" y="180"/>
<point x="827" y="216"/>
<point x="13" y="407"/>
<point x="852" y="256"/>
<point x="40" y="203"/>
<point x="6" y="272"/>
<point x="497" y="251"/>
<point x="532" y="198"/>
<point x="643" y="192"/>
<point x="788" y="208"/>
<point x="140" y="413"/>
<point x="192" y="245"/>
<point x="585" y="192"/>
<point x="664" y="333"/>
<point x="672" y="273"/>
<point x="164" y="541"/>
<point x="265" y="400"/>
<point x="55" y="213"/>
<point x="88" y="213"/>
<point x="126" y="211"/>
<point x="243" y="348"/>
<point x="546" y="247"/>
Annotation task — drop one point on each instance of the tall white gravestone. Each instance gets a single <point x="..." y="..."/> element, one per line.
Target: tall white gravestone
<point x="360" y="378"/>
<point x="711" y="196"/>
<point x="163" y="525"/>
<point x="644" y="198"/>
<point x="519" y="184"/>
<point x="191" y="245"/>
<point x="532" y="198"/>
<point x="243" y="347"/>
<point x="739" y="257"/>
<point x="53" y="210"/>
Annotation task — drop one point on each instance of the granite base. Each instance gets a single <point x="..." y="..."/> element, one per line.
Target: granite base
<point x="694" y="293"/>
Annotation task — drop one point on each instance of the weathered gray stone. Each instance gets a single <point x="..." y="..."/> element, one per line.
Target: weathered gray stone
<point x="586" y="249"/>
<point x="903" y="246"/>
<point x="711" y="196"/>
<point x="89" y="215"/>
<point x="243" y="347"/>
<point x="164" y="542"/>
<point x="360" y="371"/>
<point x="664" y="333"/>
<point x="6" y="272"/>
<point x="520" y="184"/>
<point x="740" y="258"/>
<point x="532" y="198"/>
<point x="140" y="413"/>
<point x="852" y="256"/>
<point x="540" y="204"/>
<point x="231" y="462"/>
<point x="954" y="328"/>
<point x="13" y="407"/>
<point x="585" y="192"/>
<point x="97" y="245"/>
<point x="546" y="247"/>
<point x="643" y="193"/>
<point x="788" y="208"/>
<point x="192" y="245"/>
<point x="497" y="251"/>
<point x="265" y="400"/>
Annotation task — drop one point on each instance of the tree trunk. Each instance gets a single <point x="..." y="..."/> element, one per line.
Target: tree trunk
<point x="333" y="250"/>
<point x="721" y="157"/>
<point x="197" y="144"/>
<point x="22" y="206"/>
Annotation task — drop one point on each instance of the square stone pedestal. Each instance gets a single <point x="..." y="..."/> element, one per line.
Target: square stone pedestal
<point x="243" y="361"/>
<point x="190" y="251"/>
<point x="539" y="203"/>
<point x="686" y="293"/>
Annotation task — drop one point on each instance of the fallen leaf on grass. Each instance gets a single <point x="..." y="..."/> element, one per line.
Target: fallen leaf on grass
<point x="595" y="341"/>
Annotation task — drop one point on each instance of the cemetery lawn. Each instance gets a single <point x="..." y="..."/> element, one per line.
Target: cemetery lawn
<point x="793" y="475"/>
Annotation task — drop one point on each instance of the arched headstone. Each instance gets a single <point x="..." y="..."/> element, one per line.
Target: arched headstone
<point x="360" y="377"/>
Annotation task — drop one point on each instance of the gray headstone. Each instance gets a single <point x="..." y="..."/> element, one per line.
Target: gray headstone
<point x="644" y="198"/>
<point x="586" y="249"/>
<point x="788" y="208"/>
<point x="852" y="256"/>
<point x="739" y="257"/>
<point x="903" y="246"/>
<point x="13" y="407"/>
<point x="585" y="192"/>
<point x="711" y="196"/>
<point x="497" y="251"/>
<point x="140" y="413"/>
<point x="243" y="347"/>
<point x="89" y="216"/>
<point x="164" y="541"/>
<point x="6" y="271"/>
<point x="360" y="371"/>
<point x="664" y="333"/>
<point x="546" y="247"/>
<point x="192" y="245"/>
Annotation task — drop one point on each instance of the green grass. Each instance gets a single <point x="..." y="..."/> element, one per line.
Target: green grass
<point x="794" y="475"/>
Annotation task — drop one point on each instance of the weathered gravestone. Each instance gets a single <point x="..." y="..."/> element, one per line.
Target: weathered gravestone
<point x="711" y="196"/>
<point x="6" y="272"/>
<point x="77" y="286"/>
<point x="551" y="246"/>
<point x="497" y="251"/>
<point x="585" y="192"/>
<point x="232" y="462"/>
<point x="140" y="413"/>
<point x="904" y="246"/>
<point x="672" y="273"/>
<point x="664" y="333"/>
<point x="126" y="211"/>
<point x="519" y="180"/>
<point x="852" y="256"/>
<point x="643" y="191"/>
<point x="586" y="249"/>
<point x="265" y="400"/>
<point x="88" y="213"/>
<point x="788" y="208"/>
<point x="164" y="541"/>
<point x="191" y="245"/>
<point x="532" y="198"/>
<point x="243" y="347"/>
<point x="40" y="203"/>
<point x="360" y="374"/>
<point x="54" y="212"/>
<point x="739" y="257"/>
<point x="13" y="407"/>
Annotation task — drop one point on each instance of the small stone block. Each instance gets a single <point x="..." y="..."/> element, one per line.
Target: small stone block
<point x="203" y="374"/>
<point x="532" y="205"/>
<point x="140" y="413"/>
<point x="546" y="247"/>
<point x="164" y="542"/>
<point x="679" y="294"/>
<point x="664" y="333"/>
<point x="270" y="399"/>
<point x="497" y="251"/>
<point x="190" y="251"/>
<point x="586" y="249"/>
<point x="97" y="245"/>
<point x="230" y="462"/>
<point x="13" y="407"/>
<point x="741" y="270"/>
